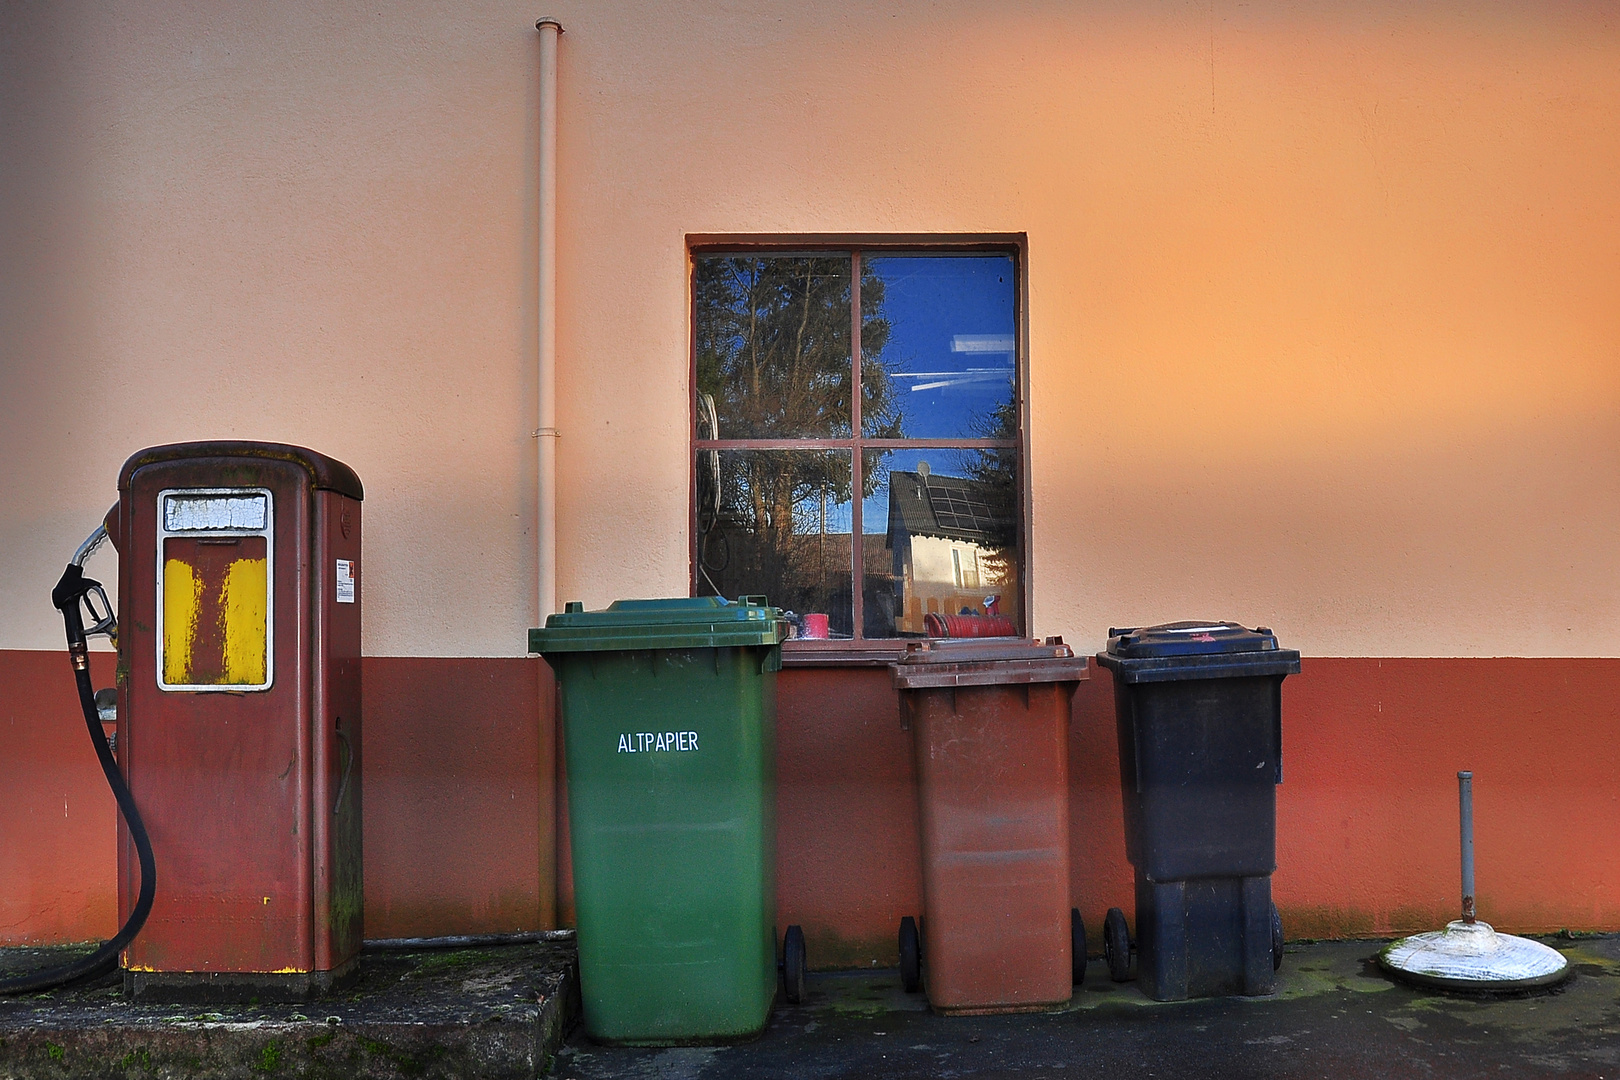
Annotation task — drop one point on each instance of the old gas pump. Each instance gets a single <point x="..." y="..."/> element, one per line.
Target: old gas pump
<point x="238" y="718"/>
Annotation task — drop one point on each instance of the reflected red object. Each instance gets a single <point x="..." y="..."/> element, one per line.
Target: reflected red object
<point x="959" y="626"/>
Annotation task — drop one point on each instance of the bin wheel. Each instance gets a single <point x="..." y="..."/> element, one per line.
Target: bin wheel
<point x="1276" y="938"/>
<point x="1077" y="946"/>
<point x="910" y="955"/>
<point x="793" y="965"/>
<point x="1117" y="945"/>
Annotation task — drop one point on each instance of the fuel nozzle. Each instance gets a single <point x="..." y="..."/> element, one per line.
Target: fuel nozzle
<point x="74" y="591"/>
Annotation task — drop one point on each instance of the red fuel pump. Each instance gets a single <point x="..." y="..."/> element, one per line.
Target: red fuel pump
<point x="239" y="707"/>
<point x="238" y="717"/>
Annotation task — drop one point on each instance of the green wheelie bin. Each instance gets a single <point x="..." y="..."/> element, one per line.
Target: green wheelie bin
<point x="668" y="720"/>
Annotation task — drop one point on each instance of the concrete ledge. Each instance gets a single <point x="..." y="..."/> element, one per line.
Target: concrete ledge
<point x="494" y="1012"/>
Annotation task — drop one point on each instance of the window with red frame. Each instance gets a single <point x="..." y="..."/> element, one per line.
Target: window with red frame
<point x="900" y="367"/>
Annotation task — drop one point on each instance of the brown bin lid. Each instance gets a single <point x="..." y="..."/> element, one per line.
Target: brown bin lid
<point x="328" y="474"/>
<point x="987" y="662"/>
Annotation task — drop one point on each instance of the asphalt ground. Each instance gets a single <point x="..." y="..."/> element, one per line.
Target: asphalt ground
<point x="1335" y="1015"/>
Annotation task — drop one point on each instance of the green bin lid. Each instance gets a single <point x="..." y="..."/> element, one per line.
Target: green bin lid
<point x="684" y="622"/>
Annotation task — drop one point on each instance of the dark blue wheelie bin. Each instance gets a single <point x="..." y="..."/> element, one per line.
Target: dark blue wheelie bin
<point x="1199" y="711"/>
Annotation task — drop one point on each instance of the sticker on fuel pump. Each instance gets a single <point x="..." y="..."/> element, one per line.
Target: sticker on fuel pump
<point x="345" y="581"/>
<point x="657" y="742"/>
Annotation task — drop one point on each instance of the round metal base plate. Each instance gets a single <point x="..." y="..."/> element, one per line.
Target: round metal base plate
<point x="1474" y="957"/>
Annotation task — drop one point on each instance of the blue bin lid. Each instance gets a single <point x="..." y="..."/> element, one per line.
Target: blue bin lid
<point x="681" y="622"/>
<point x="1195" y="650"/>
<point x="1188" y="639"/>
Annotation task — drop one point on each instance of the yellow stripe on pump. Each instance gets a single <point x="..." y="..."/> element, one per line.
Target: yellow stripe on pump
<point x="242" y="622"/>
<point x="182" y="597"/>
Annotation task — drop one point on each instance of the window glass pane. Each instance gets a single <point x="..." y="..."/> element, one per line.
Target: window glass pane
<point x="941" y="330"/>
<point x="777" y="523"/>
<point x="773" y="346"/>
<point x="942" y="538"/>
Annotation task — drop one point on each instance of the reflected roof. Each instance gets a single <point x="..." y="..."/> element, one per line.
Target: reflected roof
<point x="953" y="507"/>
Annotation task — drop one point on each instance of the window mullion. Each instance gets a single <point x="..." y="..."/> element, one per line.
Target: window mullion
<point x="857" y="541"/>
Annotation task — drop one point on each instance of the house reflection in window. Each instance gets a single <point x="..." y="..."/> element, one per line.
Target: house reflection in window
<point x="946" y="537"/>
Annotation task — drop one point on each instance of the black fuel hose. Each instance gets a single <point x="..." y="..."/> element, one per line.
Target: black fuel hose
<point x="67" y="595"/>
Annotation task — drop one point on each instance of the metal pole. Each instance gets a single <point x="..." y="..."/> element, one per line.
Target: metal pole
<point x="546" y="432"/>
<point x="1465" y="798"/>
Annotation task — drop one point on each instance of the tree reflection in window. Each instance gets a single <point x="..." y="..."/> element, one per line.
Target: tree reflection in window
<point x="774" y="348"/>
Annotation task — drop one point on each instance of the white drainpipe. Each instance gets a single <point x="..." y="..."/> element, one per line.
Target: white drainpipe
<point x="550" y="29"/>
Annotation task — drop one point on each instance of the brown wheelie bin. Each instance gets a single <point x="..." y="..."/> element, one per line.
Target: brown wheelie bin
<point x="990" y="732"/>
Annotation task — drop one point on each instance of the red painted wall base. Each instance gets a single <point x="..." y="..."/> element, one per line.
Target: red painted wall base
<point x="58" y="844"/>
<point x="457" y="771"/>
<point x="1366" y="816"/>
<point x="460" y="802"/>
<point x="458" y="778"/>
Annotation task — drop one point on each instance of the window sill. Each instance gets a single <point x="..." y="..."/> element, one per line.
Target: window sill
<point x="801" y="653"/>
